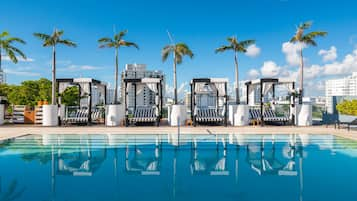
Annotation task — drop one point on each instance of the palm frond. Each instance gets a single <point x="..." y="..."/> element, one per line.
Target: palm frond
<point x="105" y="40"/>
<point x="19" y="52"/>
<point x="316" y="34"/>
<point x="246" y="43"/>
<point x="14" y="39"/>
<point x="42" y="36"/>
<point x="120" y="35"/>
<point x="223" y="48"/>
<point x="67" y="43"/>
<point x="4" y="34"/>
<point x="305" y="25"/>
<point x="130" y="44"/>
<point x="184" y="50"/>
<point x="165" y="52"/>
<point x="11" y="55"/>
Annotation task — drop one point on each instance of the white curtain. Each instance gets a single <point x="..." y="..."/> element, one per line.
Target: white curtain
<point x="267" y="87"/>
<point x="62" y="86"/>
<point x="152" y="87"/>
<point x="221" y="88"/>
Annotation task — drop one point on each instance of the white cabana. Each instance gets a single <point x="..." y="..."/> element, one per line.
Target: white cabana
<point x="149" y="113"/>
<point x="86" y="111"/>
<point x="209" y="100"/>
<point x="261" y="88"/>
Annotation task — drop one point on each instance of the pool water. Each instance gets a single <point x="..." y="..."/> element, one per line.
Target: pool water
<point x="172" y="167"/>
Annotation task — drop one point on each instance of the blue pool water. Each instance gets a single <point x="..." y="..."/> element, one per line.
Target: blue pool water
<point x="171" y="167"/>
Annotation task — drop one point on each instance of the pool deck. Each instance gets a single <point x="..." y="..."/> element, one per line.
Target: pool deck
<point x="12" y="131"/>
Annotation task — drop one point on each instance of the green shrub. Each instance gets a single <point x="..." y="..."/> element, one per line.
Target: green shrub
<point x="347" y="107"/>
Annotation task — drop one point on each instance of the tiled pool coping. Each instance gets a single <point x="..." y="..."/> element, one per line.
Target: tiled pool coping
<point x="11" y="131"/>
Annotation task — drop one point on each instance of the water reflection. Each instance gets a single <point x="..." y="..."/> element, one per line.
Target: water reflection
<point x="177" y="167"/>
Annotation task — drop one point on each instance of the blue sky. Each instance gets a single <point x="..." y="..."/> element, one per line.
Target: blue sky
<point x="203" y="25"/>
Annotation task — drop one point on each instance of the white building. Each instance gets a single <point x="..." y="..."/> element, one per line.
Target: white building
<point x="345" y="87"/>
<point x="144" y="96"/>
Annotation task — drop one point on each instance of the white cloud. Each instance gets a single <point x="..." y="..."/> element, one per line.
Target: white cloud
<point x="270" y="69"/>
<point x="20" y="72"/>
<point x="73" y="68"/>
<point x="253" y="51"/>
<point x="253" y="74"/>
<point x="169" y="90"/>
<point x="312" y="72"/>
<point x="291" y="51"/>
<point x="329" y="55"/>
<point x="20" y="59"/>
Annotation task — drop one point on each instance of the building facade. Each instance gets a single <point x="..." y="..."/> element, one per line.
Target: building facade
<point x="337" y="89"/>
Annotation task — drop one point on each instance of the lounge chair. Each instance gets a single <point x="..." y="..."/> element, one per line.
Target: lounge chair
<point x="348" y="125"/>
<point x="144" y="115"/>
<point x="76" y="117"/>
<point x="207" y="115"/>
<point x="270" y="116"/>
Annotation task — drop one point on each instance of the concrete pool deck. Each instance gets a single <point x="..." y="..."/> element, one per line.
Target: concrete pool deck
<point x="12" y="131"/>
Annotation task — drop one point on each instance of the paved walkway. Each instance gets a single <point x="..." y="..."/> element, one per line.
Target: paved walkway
<point x="11" y="131"/>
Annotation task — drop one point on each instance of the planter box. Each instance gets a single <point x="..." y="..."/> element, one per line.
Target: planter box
<point x="2" y="113"/>
<point x="177" y="115"/>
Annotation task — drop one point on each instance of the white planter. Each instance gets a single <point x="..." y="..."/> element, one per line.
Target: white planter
<point x="232" y="109"/>
<point x="241" y="116"/>
<point x="178" y="115"/>
<point x="2" y="114"/>
<point x="303" y="114"/>
<point x="115" y="114"/>
<point x="50" y="115"/>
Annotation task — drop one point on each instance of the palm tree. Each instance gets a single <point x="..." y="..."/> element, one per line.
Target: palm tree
<point x="52" y="41"/>
<point x="178" y="50"/>
<point x="237" y="47"/>
<point x="6" y="44"/>
<point x="116" y="43"/>
<point x="307" y="39"/>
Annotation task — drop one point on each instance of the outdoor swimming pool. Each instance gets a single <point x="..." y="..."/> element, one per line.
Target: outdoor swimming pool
<point x="171" y="167"/>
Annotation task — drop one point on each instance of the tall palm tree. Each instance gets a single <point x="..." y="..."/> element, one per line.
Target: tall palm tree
<point x="52" y="41"/>
<point x="305" y="39"/>
<point x="116" y="43"/>
<point x="237" y="47"/>
<point x="7" y="44"/>
<point x="178" y="50"/>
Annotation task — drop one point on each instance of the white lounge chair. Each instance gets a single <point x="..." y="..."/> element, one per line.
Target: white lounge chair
<point x="76" y="117"/>
<point x="207" y="115"/>
<point x="144" y="115"/>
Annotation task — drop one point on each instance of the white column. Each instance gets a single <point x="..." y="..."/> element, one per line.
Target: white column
<point x="2" y="114"/>
<point x="115" y="114"/>
<point x="241" y="116"/>
<point x="50" y="115"/>
<point x="178" y="115"/>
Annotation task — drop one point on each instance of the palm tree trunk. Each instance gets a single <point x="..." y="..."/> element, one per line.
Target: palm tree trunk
<point x="116" y="77"/>
<point x="54" y="102"/>
<point x="236" y="78"/>
<point x="301" y="76"/>
<point x="175" y="81"/>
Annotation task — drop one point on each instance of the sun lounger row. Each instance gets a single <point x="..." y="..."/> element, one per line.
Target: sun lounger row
<point x="144" y="114"/>
<point x="269" y="116"/>
<point x="76" y="116"/>
<point x="205" y="115"/>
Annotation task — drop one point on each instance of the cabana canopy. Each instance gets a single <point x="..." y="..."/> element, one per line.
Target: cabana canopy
<point x="214" y="108"/>
<point x="148" y="112"/>
<point x="266" y="85"/>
